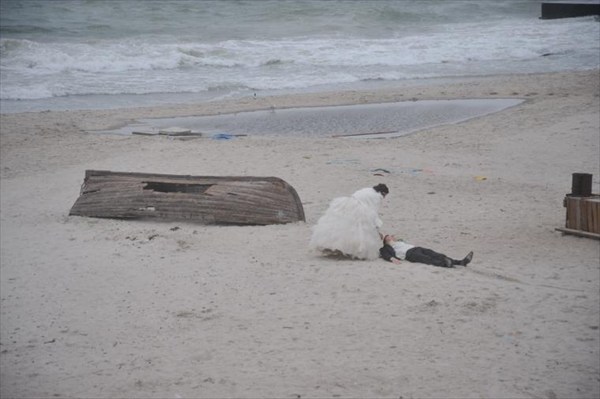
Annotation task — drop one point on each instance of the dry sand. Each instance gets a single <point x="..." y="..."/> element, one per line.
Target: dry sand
<point x="142" y="309"/>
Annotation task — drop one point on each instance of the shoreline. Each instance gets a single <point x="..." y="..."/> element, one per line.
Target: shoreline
<point x="202" y="98"/>
<point x="116" y="308"/>
<point x="472" y="87"/>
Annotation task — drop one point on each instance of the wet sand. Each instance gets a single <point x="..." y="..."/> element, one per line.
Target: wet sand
<point x="367" y="121"/>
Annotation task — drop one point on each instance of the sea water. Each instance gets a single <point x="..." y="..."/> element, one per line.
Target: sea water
<point x="84" y="54"/>
<point x="361" y="121"/>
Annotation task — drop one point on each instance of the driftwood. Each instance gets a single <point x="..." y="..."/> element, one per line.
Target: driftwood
<point x="201" y="199"/>
<point x="579" y="233"/>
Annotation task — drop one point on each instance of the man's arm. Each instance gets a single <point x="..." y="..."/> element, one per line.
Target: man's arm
<point x="388" y="253"/>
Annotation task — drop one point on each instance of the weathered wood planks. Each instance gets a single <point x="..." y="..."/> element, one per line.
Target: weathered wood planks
<point x="583" y="216"/>
<point x="237" y="200"/>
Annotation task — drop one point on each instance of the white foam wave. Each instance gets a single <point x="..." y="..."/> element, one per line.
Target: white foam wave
<point x="33" y="69"/>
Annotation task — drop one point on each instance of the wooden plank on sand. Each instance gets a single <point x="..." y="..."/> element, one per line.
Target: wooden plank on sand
<point x="579" y="233"/>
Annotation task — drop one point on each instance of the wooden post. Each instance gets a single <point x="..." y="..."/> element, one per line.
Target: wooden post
<point x="581" y="185"/>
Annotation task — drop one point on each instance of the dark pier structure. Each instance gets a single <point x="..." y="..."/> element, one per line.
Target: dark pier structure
<point x="570" y="9"/>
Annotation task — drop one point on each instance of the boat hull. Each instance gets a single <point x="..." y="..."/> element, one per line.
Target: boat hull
<point x="236" y="200"/>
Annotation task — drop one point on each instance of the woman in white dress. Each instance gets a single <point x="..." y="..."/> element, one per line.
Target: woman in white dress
<point x="350" y="226"/>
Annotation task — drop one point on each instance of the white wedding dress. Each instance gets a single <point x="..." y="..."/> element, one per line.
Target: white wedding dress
<point x="350" y="226"/>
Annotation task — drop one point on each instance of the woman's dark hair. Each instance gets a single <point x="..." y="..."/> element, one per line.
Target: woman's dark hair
<point x="381" y="188"/>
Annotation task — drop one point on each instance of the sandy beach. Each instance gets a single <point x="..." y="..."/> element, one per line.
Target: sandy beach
<point x="100" y="308"/>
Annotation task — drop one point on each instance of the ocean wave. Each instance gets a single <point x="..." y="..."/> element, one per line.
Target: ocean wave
<point x="38" y="67"/>
<point x="24" y="29"/>
<point x="32" y="91"/>
<point x="501" y="41"/>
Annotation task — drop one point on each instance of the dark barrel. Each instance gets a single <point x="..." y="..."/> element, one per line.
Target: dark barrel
<point x="582" y="185"/>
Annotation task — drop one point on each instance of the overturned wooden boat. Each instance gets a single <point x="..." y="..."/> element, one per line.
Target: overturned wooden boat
<point x="237" y="200"/>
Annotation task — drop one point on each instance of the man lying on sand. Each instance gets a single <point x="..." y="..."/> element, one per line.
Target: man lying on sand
<point x="396" y="250"/>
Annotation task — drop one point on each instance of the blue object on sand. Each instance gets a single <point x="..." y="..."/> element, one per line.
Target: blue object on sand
<point x="222" y="136"/>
